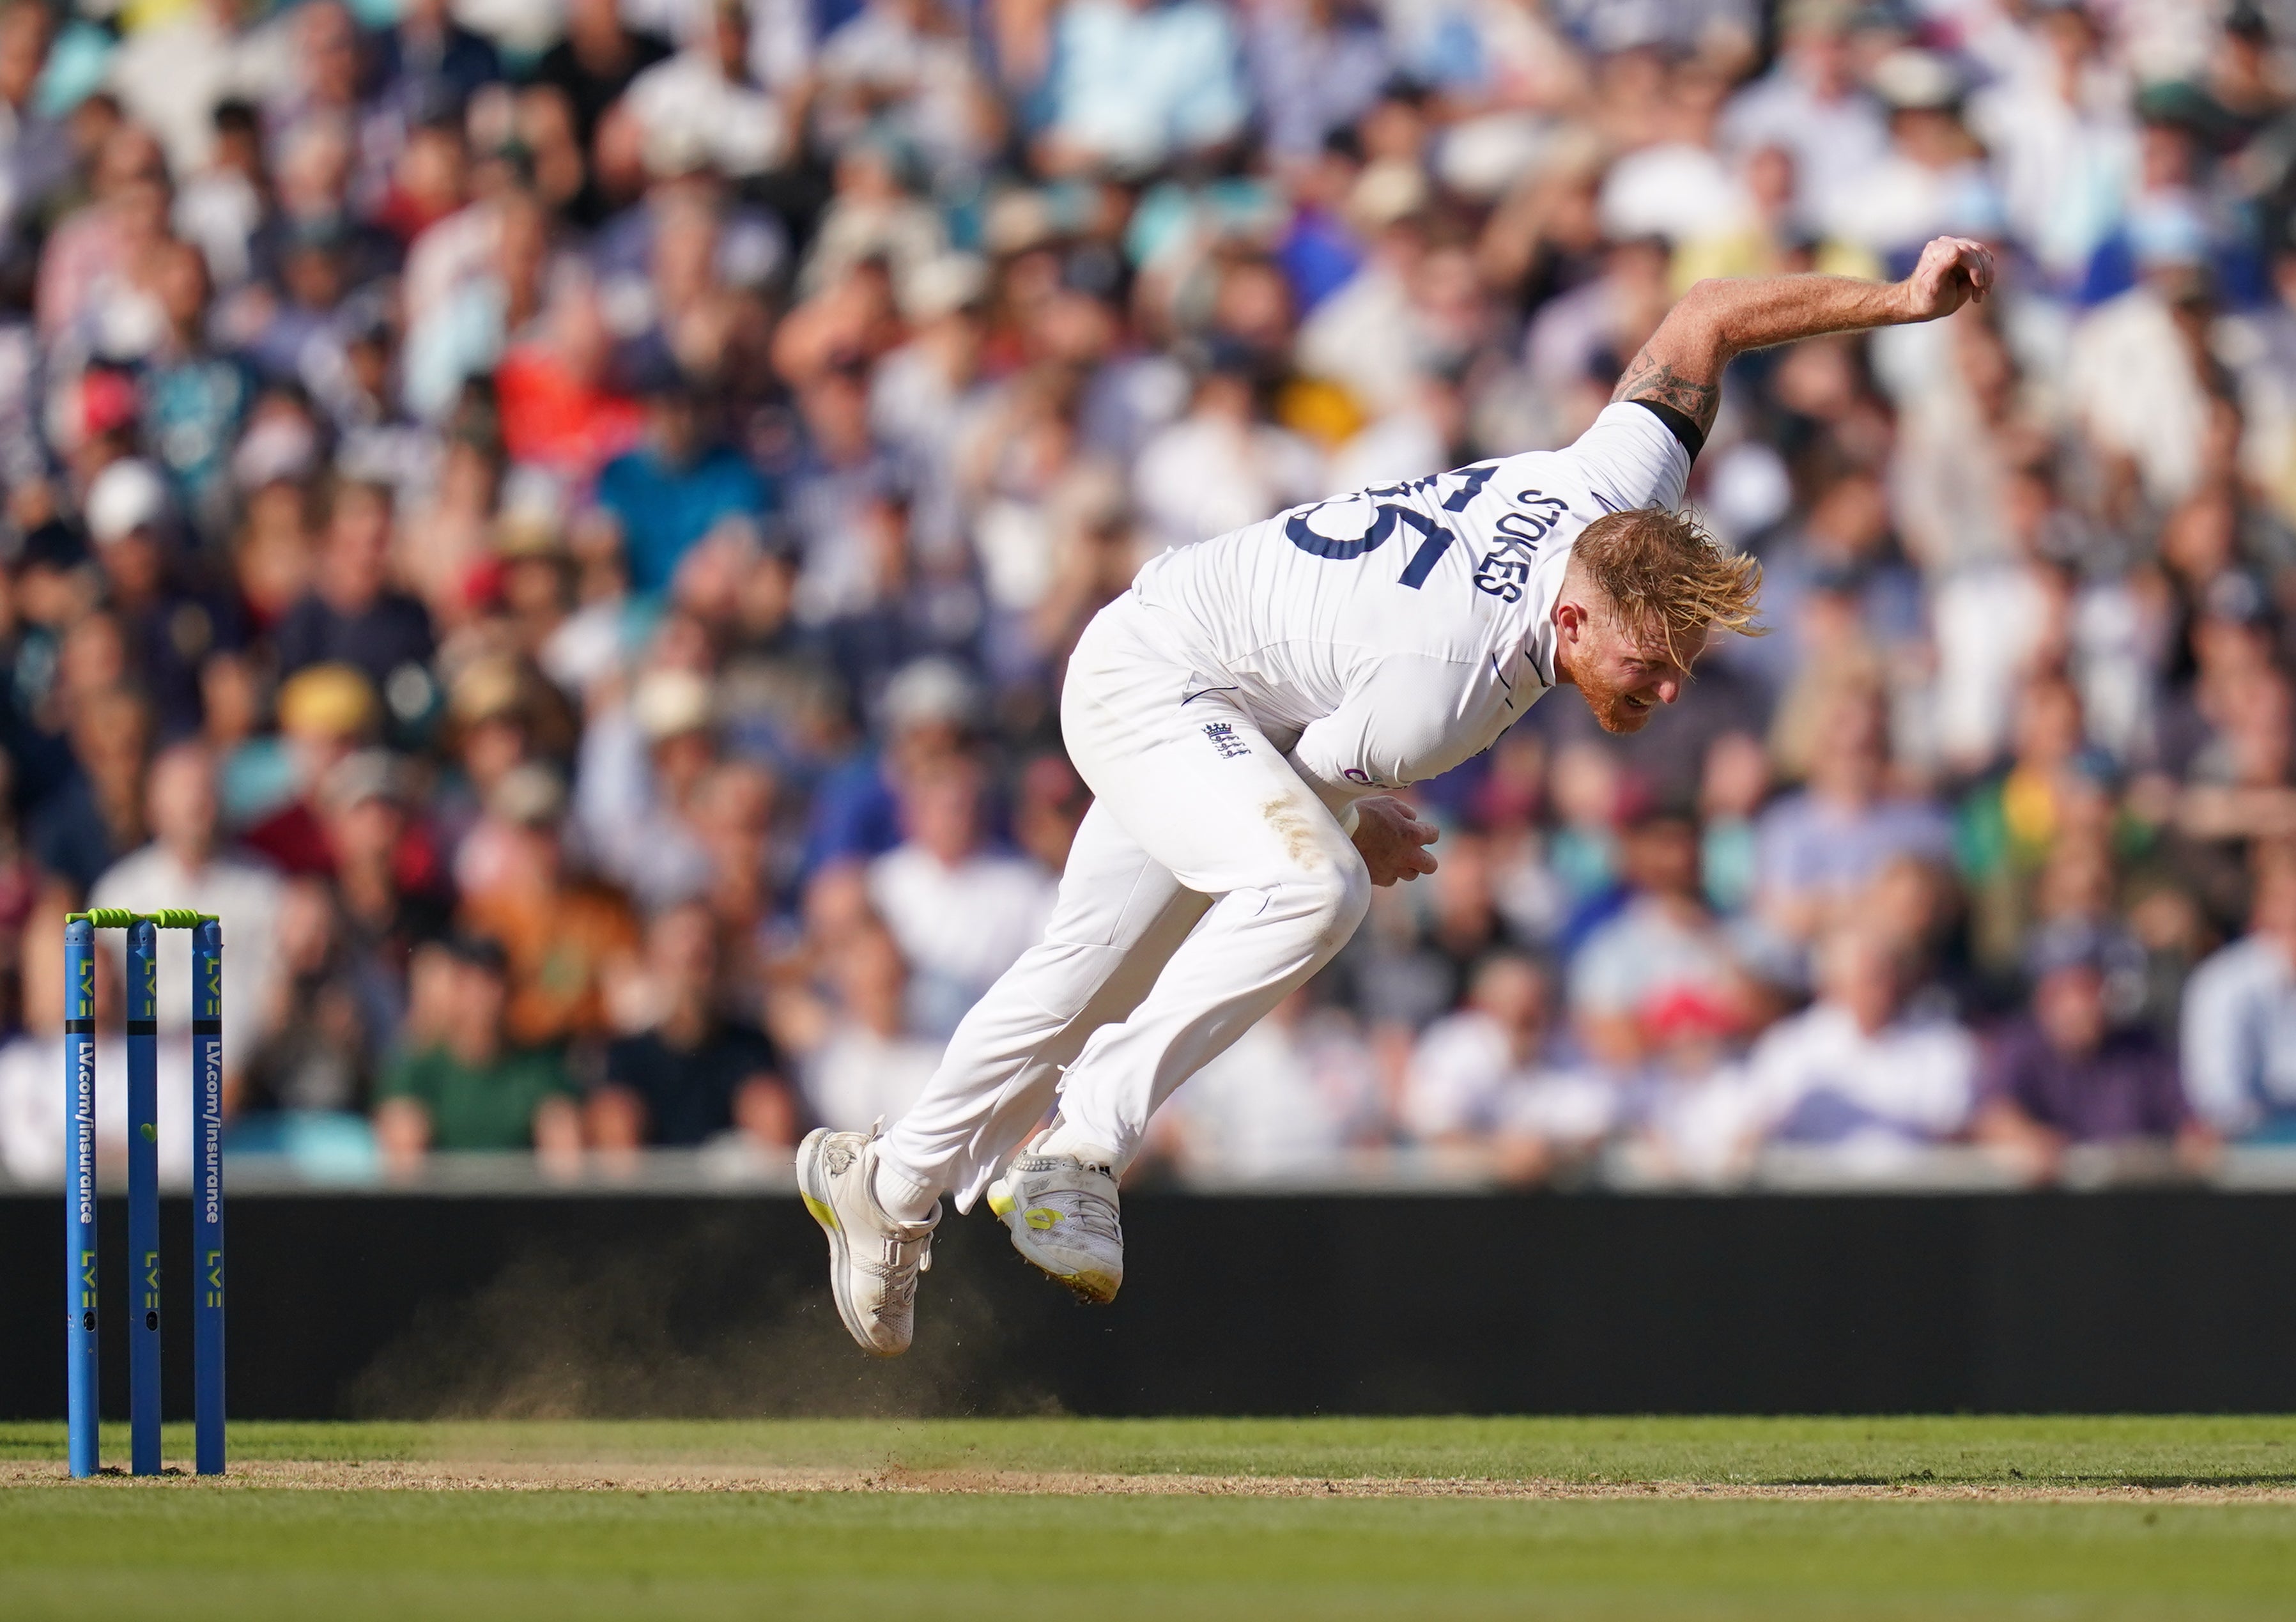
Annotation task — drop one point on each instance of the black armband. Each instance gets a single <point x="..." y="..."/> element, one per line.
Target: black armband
<point x="1692" y="436"/>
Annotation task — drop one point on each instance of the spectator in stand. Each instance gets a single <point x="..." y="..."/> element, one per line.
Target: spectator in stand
<point x="928" y="709"/>
<point x="352" y="615"/>
<point x="561" y="410"/>
<point x="1133" y="86"/>
<point x="1659" y="939"/>
<point x="171" y="627"/>
<point x="1425" y="945"/>
<point x="1819" y="848"/>
<point x="2239" y="1017"/>
<point x="2068" y="1073"/>
<point x="735" y="815"/>
<point x="95" y="816"/>
<point x="704" y="106"/>
<point x="689" y="1077"/>
<point x="1291" y="1098"/>
<point x="429" y="55"/>
<point x="565" y="940"/>
<point x="960" y="910"/>
<point x="38" y="151"/>
<point x="467" y="1088"/>
<point x="186" y="865"/>
<point x="194" y="399"/>
<point x="500" y="715"/>
<point x="1224" y="465"/>
<point x="2054" y="787"/>
<point x="1842" y="548"/>
<point x="1489" y="1074"/>
<point x="390" y="890"/>
<point x="1684" y="1109"/>
<point x="596" y="62"/>
<point x="88" y="257"/>
<point x="865" y="1065"/>
<point x="642" y="766"/>
<point x="326" y="713"/>
<point x="320" y="1055"/>
<point x="1732" y="790"/>
<point x="679" y="485"/>
<point x="1861" y="1074"/>
<point x="1811" y="103"/>
<point x="2138" y="371"/>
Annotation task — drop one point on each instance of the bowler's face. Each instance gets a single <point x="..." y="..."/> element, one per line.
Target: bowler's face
<point x="1624" y="677"/>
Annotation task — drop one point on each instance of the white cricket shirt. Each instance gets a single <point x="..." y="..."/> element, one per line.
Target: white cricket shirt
<point x="1384" y="637"/>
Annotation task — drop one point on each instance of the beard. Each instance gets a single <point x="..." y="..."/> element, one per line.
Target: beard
<point x="1607" y="702"/>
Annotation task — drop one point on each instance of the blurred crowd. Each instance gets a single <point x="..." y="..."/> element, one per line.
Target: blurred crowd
<point x="560" y="522"/>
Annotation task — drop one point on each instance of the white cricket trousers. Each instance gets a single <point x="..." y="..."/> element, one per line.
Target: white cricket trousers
<point x="1206" y="883"/>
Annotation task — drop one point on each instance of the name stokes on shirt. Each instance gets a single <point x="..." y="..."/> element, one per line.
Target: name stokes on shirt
<point x="1502" y="570"/>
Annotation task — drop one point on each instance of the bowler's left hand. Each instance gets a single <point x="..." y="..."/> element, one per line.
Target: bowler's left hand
<point x="1392" y="840"/>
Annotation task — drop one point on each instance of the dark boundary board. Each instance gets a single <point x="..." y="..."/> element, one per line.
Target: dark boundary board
<point x="419" y="1306"/>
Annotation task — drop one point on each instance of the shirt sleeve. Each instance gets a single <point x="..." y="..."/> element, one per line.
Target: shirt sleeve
<point x="1630" y="458"/>
<point x="1399" y="726"/>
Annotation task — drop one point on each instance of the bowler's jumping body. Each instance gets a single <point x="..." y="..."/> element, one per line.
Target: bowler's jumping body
<point x="1242" y="716"/>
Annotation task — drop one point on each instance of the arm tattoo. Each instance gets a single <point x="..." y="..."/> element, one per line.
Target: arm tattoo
<point x="1650" y="380"/>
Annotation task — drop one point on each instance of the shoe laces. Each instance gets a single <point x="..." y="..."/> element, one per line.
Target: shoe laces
<point x="1094" y="1216"/>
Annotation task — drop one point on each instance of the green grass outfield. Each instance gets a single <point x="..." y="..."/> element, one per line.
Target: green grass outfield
<point x="2152" y="1518"/>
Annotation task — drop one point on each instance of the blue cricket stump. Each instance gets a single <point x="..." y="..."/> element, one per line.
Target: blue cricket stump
<point x="143" y="1198"/>
<point x="79" y="1191"/>
<point x="206" y="1193"/>
<point x="143" y="1270"/>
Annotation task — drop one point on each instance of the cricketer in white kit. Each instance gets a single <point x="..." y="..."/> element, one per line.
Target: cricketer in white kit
<point x="1242" y="716"/>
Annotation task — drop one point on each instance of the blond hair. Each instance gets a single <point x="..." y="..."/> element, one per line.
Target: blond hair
<point x="1667" y="576"/>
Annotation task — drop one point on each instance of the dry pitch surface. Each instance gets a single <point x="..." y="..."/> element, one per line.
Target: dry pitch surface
<point x="1649" y="1518"/>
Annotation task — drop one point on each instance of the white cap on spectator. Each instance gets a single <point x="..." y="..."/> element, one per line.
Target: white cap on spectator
<point x="1386" y="193"/>
<point x="529" y="794"/>
<point x="1018" y="219"/>
<point x="1816" y="16"/>
<point x="1914" y="80"/>
<point x="930" y="692"/>
<point x="1481" y="158"/>
<point x="667" y="703"/>
<point x="942" y="285"/>
<point x="127" y="496"/>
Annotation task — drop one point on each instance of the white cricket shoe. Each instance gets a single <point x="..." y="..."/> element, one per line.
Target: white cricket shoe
<point x="1062" y="1209"/>
<point x="873" y="1260"/>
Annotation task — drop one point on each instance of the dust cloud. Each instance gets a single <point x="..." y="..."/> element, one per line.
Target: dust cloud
<point x="676" y="1332"/>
